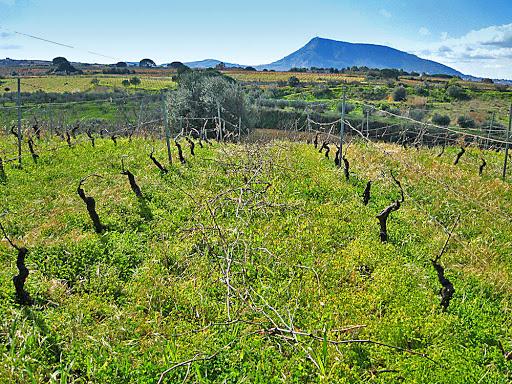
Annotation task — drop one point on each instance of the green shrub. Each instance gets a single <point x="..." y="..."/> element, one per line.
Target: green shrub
<point x="293" y="81"/>
<point x="400" y="94"/>
<point x="374" y="93"/>
<point x="417" y="114"/>
<point x="456" y="92"/>
<point x="421" y="91"/>
<point x="322" y="92"/>
<point x="135" y="81"/>
<point x="466" y="122"/>
<point x="442" y="120"/>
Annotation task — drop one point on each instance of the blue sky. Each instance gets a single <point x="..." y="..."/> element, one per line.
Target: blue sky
<point x="472" y="36"/>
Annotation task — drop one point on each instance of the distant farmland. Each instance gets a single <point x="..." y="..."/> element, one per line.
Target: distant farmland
<point x="270" y="77"/>
<point x="85" y="83"/>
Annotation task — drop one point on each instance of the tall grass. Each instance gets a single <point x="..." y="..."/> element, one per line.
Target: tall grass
<point x="256" y="261"/>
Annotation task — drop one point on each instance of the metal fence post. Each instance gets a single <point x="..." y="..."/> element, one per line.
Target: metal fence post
<point x="342" y="127"/>
<point x="219" y="127"/>
<point x="507" y="145"/>
<point x="489" y="132"/>
<point x="166" y="125"/>
<point x="18" y="103"/>
<point x="239" y="129"/>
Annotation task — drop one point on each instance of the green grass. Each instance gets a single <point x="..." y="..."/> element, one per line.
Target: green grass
<point x="484" y="98"/>
<point x="303" y="253"/>
<point x="84" y="83"/>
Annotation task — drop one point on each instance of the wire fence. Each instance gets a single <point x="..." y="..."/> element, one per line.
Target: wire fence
<point x="147" y="116"/>
<point x="144" y="114"/>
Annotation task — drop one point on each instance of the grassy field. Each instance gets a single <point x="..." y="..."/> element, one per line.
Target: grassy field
<point x="255" y="263"/>
<point x="274" y="77"/>
<point x="76" y="84"/>
<point x="480" y="106"/>
<point x="426" y="96"/>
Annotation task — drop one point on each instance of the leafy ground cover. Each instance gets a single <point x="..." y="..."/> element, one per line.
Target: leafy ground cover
<point x="255" y="263"/>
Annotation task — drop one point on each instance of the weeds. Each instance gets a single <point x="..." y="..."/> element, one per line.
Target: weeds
<point x="258" y="264"/>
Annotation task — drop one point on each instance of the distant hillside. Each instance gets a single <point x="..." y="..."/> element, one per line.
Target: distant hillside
<point x="23" y="63"/>
<point x="210" y="63"/>
<point x="325" y="53"/>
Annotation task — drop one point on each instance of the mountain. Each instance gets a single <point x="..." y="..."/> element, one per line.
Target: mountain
<point x="325" y="53"/>
<point x="23" y="63"/>
<point x="211" y="63"/>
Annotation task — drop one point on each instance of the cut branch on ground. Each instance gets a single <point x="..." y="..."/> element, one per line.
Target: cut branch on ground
<point x="506" y="355"/>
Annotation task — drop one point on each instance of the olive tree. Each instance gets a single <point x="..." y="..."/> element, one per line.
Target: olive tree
<point x="466" y="122"/>
<point x="400" y="94"/>
<point x="200" y="94"/>
<point x="442" y="120"/>
<point x="147" y="63"/>
<point x="456" y="92"/>
<point x="293" y="81"/>
<point x="62" y="65"/>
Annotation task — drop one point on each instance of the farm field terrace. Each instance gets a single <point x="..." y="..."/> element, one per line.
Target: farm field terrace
<point x="85" y="83"/>
<point x="269" y="77"/>
<point x="254" y="263"/>
<point x="486" y="105"/>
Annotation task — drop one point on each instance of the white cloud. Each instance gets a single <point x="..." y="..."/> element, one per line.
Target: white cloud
<point x="484" y="52"/>
<point x="424" y="31"/>
<point x="497" y="35"/>
<point x="491" y="42"/>
<point x="385" y="13"/>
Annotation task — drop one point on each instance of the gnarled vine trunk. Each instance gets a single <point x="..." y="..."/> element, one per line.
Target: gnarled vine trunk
<point x="91" y="208"/>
